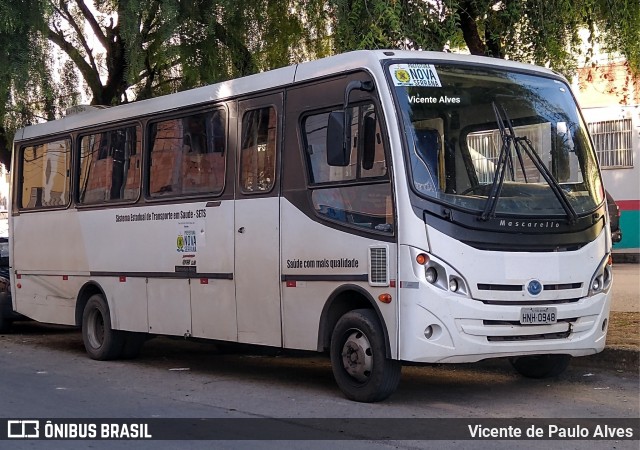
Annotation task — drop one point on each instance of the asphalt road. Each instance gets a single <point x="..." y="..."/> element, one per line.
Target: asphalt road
<point x="45" y="373"/>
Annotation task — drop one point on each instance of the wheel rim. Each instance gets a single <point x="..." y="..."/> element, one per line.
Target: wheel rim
<point x="95" y="330"/>
<point x="357" y="356"/>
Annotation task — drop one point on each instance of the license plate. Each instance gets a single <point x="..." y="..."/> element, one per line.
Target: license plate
<point x="538" y="316"/>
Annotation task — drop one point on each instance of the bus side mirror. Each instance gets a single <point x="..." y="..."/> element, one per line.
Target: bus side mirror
<point x="338" y="140"/>
<point x="339" y="127"/>
<point x="369" y="142"/>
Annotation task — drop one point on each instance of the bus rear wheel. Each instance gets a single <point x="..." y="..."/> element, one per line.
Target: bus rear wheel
<point x="100" y="340"/>
<point x="358" y="358"/>
<point x="540" y="366"/>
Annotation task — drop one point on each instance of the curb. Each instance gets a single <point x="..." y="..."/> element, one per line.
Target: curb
<point x="620" y="359"/>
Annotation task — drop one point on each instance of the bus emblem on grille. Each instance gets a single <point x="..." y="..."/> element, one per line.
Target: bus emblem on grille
<point x="534" y="287"/>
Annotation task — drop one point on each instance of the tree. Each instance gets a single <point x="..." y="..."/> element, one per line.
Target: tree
<point x="536" y="31"/>
<point x="27" y="93"/>
<point x="126" y="50"/>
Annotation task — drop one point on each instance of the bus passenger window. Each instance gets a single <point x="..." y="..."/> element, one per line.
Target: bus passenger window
<point x="188" y="155"/>
<point x="195" y="137"/>
<point x="109" y="166"/>
<point x="258" y="152"/>
<point x="45" y="174"/>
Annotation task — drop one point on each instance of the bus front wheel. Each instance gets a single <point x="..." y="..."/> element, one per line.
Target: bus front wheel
<point x="540" y="366"/>
<point x="358" y="358"/>
<point x="100" y="340"/>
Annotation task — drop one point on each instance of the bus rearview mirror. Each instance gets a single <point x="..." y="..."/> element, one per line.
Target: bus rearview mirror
<point x="369" y="142"/>
<point x="338" y="139"/>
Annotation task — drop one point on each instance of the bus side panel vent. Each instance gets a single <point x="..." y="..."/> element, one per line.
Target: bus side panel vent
<point x="379" y="266"/>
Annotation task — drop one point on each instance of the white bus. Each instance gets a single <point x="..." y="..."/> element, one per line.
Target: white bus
<point x="381" y="206"/>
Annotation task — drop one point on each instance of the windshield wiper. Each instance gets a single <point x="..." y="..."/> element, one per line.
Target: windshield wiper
<point x="546" y="174"/>
<point x="521" y="144"/>
<point x="505" y="161"/>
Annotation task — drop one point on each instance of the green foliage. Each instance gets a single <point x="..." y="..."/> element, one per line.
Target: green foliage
<point x="124" y="50"/>
<point x="378" y="24"/>
<point x="620" y="19"/>
<point x="27" y="92"/>
<point x="544" y="32"/>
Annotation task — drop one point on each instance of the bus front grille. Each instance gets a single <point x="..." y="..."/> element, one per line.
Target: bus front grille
<point x="513" y="330"/>
<point x="520" y="287"/>
<point x="529" y="337"/>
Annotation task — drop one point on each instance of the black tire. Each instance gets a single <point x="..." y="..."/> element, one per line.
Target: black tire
<point x="540" y="366"/>
<point x="100" y="340"/>
<point x="358" y="358"/>
<point x="133" y="343"/>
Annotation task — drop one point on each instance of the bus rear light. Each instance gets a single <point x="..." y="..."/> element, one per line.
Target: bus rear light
<point x="422" y="259"/>
<point x="19" y="285"/>
<point x="384" y="298"/>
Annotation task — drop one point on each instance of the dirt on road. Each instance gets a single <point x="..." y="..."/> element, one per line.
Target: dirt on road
<point x="624" y="331"/>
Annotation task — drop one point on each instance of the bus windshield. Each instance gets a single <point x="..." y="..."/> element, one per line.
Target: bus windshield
<point x="496" y="142"/>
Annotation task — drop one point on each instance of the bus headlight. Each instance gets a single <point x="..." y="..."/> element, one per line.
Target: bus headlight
<point x="601" y="279"/>
<point x="438" y="274"/>
<point x="457" y="285"/>
<point x="431" y="275"/>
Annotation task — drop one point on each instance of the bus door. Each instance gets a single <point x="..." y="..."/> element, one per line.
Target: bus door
<point x="257" y="221"/>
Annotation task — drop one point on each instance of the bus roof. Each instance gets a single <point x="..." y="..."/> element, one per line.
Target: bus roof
<point x="255" y="83"/>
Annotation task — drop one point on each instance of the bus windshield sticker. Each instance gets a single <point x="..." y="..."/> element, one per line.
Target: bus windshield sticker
<point x="424" y="75"/>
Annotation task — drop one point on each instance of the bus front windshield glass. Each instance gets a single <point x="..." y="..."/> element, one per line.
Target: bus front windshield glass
<point x="496" y="142"/>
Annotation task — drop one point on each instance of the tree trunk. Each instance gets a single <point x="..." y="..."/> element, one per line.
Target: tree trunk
<point x="469" y="29"/>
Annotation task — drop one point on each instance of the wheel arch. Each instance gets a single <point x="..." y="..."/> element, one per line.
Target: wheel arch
<point x="86" y="291"/>
<point x="342" y="300"/>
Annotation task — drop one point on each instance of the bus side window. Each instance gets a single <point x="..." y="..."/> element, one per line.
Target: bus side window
<point x="187" y="155"/>
<point x="195" y="136"/>
<point x="166" y="145"/>
<point x="106" y="169"/>
<point x="366" y="205"/>
<point x="203" y="165"/>
<point x="425" y="158"/>
<point x="258" y="152"/>
<point x="45" y="174"/>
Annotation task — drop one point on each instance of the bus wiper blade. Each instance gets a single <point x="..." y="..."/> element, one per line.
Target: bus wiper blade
<point x="521" y="145"/>
<point x="524" y="143"/>
<point x="504" y="160"/>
